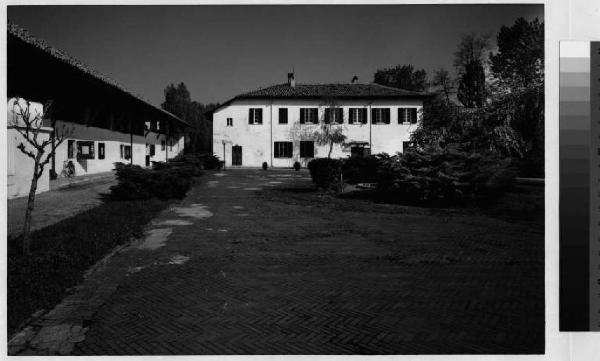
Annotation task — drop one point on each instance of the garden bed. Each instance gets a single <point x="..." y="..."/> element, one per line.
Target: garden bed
<point x="61" y="253"/>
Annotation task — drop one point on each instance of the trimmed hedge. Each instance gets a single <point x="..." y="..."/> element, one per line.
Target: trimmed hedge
<point x="166" y="180"/>
<point x="325" y="172"/>
<point x="207" y="161"/>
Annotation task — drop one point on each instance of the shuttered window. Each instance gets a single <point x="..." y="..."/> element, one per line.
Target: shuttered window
<point x="283" y="149"/>
<point x="407" y="115"/>
<point x="307" y="149"/>
<point x="309" y="115"/>
<point x="334" y="115"/>
<point x="380" y="116"/>
<point x="100" y="150"/>
<point x="255" y="116"/>
<point x="283" y="115"/>
<point x="357" y="115"/>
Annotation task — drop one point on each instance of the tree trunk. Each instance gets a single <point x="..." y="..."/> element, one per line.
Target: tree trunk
<point x="29" y="210"/>
<point x="330" y="149"/>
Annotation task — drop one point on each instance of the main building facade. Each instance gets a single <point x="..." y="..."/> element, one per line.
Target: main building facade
<point x="280" y="124"/>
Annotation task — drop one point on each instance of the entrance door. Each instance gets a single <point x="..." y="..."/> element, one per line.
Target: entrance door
<point x="236" y="155"/>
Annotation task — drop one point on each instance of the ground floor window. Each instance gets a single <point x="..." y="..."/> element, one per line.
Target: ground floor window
<point x="85" y="150"/>
<point x="125" y="151"/>
<point x="360" y="151"/>
<point x="307" y="149"/>
<point x="283" y="149"/>
<point x="100" y="150"/>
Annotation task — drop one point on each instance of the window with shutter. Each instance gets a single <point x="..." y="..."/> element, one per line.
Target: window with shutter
<point x="283" y="116"/>
<point x="283" y="149"/>
<point x="309" y="115"/>
<point x="307" y="149"/>
<point x="380" y="115"/>
<point x="357" y="116"/>
<point x="255" y="116"/>
<point x="100" y="150"/>
<point x="407" y="115"/>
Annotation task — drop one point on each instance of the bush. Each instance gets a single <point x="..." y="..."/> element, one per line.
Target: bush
<point x="265" y="166"/>
<point x="325" y="173"/>
<point x="202" y="161"/>
<point x="297" y="166"/>
<point x="164" y="181"/>
<point x="441" y="176"/>
<point x="361" y="169"/>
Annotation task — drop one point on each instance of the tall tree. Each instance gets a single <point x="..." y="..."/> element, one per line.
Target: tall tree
<point x="444" y="83"/>
<point x="403" y="77"/>
<point x="177" y="100"/>
<point x="472" y="48"/>
<point x="519" y="60"/>
<point x="471" y="88"/>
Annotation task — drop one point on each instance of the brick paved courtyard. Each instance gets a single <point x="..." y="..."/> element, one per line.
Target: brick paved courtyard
<point x="255" y="262"/>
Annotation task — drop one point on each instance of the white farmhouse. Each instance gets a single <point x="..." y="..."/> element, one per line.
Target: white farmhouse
<point x="277" y="124"/>
<point x="106" y="122"/>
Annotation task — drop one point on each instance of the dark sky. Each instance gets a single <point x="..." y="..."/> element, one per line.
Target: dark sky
<point x="221" y="51"/>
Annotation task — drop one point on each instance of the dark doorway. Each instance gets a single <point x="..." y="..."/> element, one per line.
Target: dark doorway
<point x="236" y="155"/>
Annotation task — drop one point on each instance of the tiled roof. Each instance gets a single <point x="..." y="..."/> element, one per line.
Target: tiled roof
<point x="23" y="35"/>
<point x="355" y="90"/>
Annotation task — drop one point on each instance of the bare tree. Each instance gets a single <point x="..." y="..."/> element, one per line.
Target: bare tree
<point x="330" y="131"/>
<point x="41" y="151"/>
<point x="444" y="83"/>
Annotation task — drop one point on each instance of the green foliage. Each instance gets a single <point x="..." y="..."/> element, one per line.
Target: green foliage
<point x="61" y="253"/>
<point x="520" y="57"/>
<point x="361" y="169"/>
<point x="403" y="77"/>
<point x="471" y="86"/>
<point x="166" y="180"/>
<point x="444" y="176"/>
<point x="178" y="102"/>
<point x="207" y="161"/>
<point x="325" y="172"/>
<point x="265" y="165"/>
<point x="297" y="166"/>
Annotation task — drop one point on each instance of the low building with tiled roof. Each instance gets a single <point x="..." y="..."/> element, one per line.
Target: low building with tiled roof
<point x="277" y="124"/>
<point x="107" y="123"/>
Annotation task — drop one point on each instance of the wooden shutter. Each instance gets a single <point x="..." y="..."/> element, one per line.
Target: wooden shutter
<point x="413" y="115"/>
<point x="250" y="116"/>
<point x="302" y="115"/>
<point x="386" y="115"/>
<point x="339" y="117"/>
<point x="258" y="115"/>
<point x="364" y="113"/>
<point x="400" y="115"/>
<point x="327" y="117"/>
<point x="351" y="115"/>
<point x="315" y="115"/>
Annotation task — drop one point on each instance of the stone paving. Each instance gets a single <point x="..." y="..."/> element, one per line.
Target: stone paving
<point x="255" y="262"/>
<point x="67" y="197"/>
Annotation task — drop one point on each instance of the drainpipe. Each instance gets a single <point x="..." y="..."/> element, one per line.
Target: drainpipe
<point x="167" y="141"/>
<point x="130" y="141"/>
<point x="271" y="145"/>
<point x="370" y="120"/>
<point x="224" y="160"/>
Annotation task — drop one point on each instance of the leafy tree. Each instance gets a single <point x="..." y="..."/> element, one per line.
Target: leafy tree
<point x="330" y="132"/>
<point x="444" y="83"/>
<point x="519" y="60"/>
<point x="178" y="102"/>
<point x="471" y="88"/>
<point x="472" y="48"/>
<point x="403" y="77"/>
<point x="30" y="124"/>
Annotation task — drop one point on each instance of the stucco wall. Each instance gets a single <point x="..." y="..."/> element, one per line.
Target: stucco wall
<point x="257" y="140"/>
<point x="20" y="167"/>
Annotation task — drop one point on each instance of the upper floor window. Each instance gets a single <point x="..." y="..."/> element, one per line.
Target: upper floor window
<point x="309" y="115"/>
<point x="334" y="115"/>
<point x="255" y="116"/>
<point x="230" y="122"/>
<point x="283" y="149"/>
<point x="407" y="115"/>
<point x="283" y="115"/>
<point x="357" y="115"/>
<point x="380" y="115"/>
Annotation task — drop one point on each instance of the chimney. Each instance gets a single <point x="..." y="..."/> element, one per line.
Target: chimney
<point x="354" y="79"/>
<point x="291" y="80"/>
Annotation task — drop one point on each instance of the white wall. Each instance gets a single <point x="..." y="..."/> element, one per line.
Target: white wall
<point x="20" y="166"/>
<point x="257" y="139"/>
